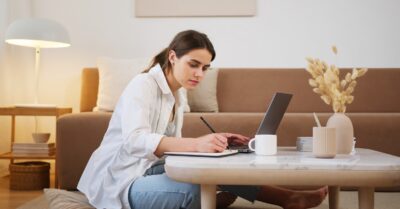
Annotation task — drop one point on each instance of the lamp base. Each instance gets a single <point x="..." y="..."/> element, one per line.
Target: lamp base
<point x="33" y="105"/>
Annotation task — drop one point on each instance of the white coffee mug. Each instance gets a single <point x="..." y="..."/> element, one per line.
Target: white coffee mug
<point x="264" y="144"/>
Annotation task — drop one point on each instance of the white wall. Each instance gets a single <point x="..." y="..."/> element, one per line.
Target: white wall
<point x="366" y="32"/>
<point x="15" y="74"/>
<point x="3" y="25"/>
<point x="282" y="34"/>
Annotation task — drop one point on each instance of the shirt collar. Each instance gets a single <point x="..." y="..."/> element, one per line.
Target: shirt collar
<point x="157" y="73"/>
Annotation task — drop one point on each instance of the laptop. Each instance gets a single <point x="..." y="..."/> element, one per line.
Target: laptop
<point x="268" y="125"/>
<point x="272" y="118"/>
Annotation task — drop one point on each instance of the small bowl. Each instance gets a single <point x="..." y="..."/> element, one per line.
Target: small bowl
<point x="41" y="137"/>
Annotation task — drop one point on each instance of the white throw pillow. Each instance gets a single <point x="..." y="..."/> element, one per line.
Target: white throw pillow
<point x="204" y="97"/>
<point x="186" y="107"/>
<point x="114" y="76"/>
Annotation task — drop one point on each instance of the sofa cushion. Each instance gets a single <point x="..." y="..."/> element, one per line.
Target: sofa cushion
<point x="250" y="90"/>
<point x="203" y="98"/>
<point x="114" y="76"/>
<point x="185" y="103"/>
<point x="78" y="135"/>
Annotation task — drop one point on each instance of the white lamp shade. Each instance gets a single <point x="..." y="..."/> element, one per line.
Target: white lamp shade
<point x="37" y="33"/>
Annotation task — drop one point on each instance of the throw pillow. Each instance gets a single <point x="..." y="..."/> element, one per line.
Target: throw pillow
<point x="62" y="199"/>
<point x="204" y="97"/>
<point x="185" y="101"/>
<point x="114" y="76"/>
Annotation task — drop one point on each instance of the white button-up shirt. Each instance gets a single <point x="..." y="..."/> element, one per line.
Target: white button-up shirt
<point x="137" y="125"/>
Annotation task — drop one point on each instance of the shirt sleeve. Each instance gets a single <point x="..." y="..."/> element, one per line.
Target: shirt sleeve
<point x="136" y="105"/>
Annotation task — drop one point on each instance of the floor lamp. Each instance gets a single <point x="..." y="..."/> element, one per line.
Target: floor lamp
<point x="37" y="33"/>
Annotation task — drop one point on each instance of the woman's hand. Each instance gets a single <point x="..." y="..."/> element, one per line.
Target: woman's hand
<point x="212" y="143"/>
<point x="236" y="139"/>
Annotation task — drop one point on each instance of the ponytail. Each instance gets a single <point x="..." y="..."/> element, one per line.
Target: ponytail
<point x="161" y="58"/>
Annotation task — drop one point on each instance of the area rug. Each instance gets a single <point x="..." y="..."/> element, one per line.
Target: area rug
<point x="348" y="200"/>
<point x="37" y="203"/>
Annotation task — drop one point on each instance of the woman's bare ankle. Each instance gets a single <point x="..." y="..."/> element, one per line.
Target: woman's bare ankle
<point x="306" y="199"/>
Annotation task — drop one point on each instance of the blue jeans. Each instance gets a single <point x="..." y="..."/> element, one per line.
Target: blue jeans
<point x="155" y="190"/>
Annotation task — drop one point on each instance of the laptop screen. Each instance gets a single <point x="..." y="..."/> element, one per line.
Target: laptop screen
<point x="274" y="113"/>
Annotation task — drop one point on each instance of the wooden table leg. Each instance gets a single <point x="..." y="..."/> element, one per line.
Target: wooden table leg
<point x="208" y="196"/>
<point x="12" y="135"/>
<point x="334" y="197"/>
<point x="366" y="197"/>
<point x="56" y="174"/>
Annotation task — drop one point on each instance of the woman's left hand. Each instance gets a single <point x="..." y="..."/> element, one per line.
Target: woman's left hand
<point x="236" y="139"/>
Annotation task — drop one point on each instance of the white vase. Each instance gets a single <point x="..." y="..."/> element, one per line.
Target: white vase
<point x="344" y="132"/>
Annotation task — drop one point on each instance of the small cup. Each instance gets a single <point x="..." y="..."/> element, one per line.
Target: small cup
<point x="264" y="144"/>
<point x="324" y="142"/>
<point x="41" y="137"/>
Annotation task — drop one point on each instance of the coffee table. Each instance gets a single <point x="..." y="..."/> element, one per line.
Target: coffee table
<point x="366" y="169"/>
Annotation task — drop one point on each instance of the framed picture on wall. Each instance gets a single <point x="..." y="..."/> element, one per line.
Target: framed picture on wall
<point x="194" y="8"/>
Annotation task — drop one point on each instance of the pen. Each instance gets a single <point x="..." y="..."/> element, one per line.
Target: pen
<point x="209" y="126"/>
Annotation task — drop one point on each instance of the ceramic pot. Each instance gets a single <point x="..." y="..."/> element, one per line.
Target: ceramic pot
<point x="40" y="137"/>
<point x="344" y="132"/>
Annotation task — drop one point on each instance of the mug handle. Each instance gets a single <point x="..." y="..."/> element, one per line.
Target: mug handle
<point x="252" y="141"/>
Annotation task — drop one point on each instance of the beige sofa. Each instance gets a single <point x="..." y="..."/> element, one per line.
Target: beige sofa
<point x="243" y="96"/>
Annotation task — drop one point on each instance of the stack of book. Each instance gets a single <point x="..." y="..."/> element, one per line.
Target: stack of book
<point x="304" y="143"/>
<point x="38" y="149"/>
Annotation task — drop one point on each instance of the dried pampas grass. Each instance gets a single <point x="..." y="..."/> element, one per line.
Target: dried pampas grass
<point x="325" y="81"/>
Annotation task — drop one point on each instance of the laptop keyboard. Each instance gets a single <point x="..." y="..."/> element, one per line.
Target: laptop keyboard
<point x="241" y="148"/>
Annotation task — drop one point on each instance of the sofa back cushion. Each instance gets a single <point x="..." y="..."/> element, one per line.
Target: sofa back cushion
<point x="250" y="90"/>
<point x="114" y="76"/>
<point x="203" y="98"/>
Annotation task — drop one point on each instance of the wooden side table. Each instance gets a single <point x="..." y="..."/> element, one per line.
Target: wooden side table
<point x="31" y="111"/>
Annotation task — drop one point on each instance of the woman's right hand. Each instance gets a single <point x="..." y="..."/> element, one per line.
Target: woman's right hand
<point x="211" y="143"/>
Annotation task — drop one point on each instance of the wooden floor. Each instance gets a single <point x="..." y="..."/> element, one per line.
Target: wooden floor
<point x="10" y="199"/>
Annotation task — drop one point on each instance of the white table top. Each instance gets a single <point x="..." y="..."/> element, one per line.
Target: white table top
<point x="288" y="158"/>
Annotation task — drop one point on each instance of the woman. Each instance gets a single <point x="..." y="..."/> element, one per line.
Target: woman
<point x="126" y="170"/>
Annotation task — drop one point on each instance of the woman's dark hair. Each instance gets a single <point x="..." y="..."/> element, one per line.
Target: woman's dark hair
<point x="183" y="43"/>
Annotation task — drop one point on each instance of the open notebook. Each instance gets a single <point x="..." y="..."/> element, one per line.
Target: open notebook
<point x="204" y="154"/>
